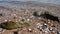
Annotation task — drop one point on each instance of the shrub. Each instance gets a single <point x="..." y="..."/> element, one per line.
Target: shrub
<point x="38" y="13"/>
<point x="13" y="25"/>
<point x="10" y="25"/>
<point x="46" y="15"/>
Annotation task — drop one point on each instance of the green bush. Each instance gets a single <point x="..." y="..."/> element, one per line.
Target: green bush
<point x="10" y="25"/>
<point x="39" y="13"/>
<point x="46" y="12"/>
<point x="13" y="25"/>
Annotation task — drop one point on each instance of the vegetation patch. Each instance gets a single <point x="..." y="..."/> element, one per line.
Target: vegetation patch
<point x="46" y="15"/>
<point x="13" y="25"/>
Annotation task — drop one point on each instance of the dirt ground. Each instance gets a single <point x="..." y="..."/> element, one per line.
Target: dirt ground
<point x="17" y="14"/>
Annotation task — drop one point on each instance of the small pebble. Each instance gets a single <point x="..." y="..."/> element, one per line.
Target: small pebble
<point x="41" y="25"/>
<point x="1" y="29"/>
<point x="30" y="30"/>
<point x="16" y="21"/>
<point x="38" y="27"/>
<point x="5" y="20"/>
<point x="49" y="21"/>
<point x="19" y="20"/>
<point x="20" y="17"/>
<point x="38" y="24"/>
<point x="0" y="14"/>
<point x="14" y="14"/>
<point x="40" y="18"/>
<point x="51" y="29"/>
<point x="23" y="20"/>
<point x="32" y="16"/>
<point x="35" y="31"/>
<point x="0" y="18"/>
<point x="28" y="19"/>
<point x="45" y="24"/>
<point x="58" y="32"/>
<point x="24" y="29"/>
<point x="46" y="31"/>
<point x="9" y="20"/>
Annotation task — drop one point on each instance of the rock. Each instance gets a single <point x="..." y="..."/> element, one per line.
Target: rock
<point x="30" y="30"/>
<point x="38" y="27"/>
<point x="41" y="27"/>
<point x="14" y="14"/>
<point x="5" y="20"/>
<point x="38" y="24"/>
<point x="58" y="32"/>
<point x="44" y="27"/>
<point x="9" y="20"/>
<point x="1" y="14"/>
<point x="45" y="24"/>
<point x="1" y="29"/>
<point x="23" y="20"/>
<point x="35" y="31"/>
<point x="28" y="19"/>
<point x="31" y="16"/>
<point x="51" y="29"/>
<point x="0" y="18"/>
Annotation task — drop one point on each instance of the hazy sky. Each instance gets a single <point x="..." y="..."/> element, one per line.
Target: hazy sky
<point x="44" y="1"/>
<point x="18" y="0"/>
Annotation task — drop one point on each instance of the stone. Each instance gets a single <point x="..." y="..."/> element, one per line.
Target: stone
<point x="0" y="14"/>
<point x="29" y="30"/>
<point x="51" y="29"/>
<point x="44" y="26"/>
<point x="38" y="27"/>
<point x="58" y="32"/>
<point x="28" y="19"/>
<point x="5" y="20"/>
<point x="1" y="29"/>
<point x="38" y="23"/>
